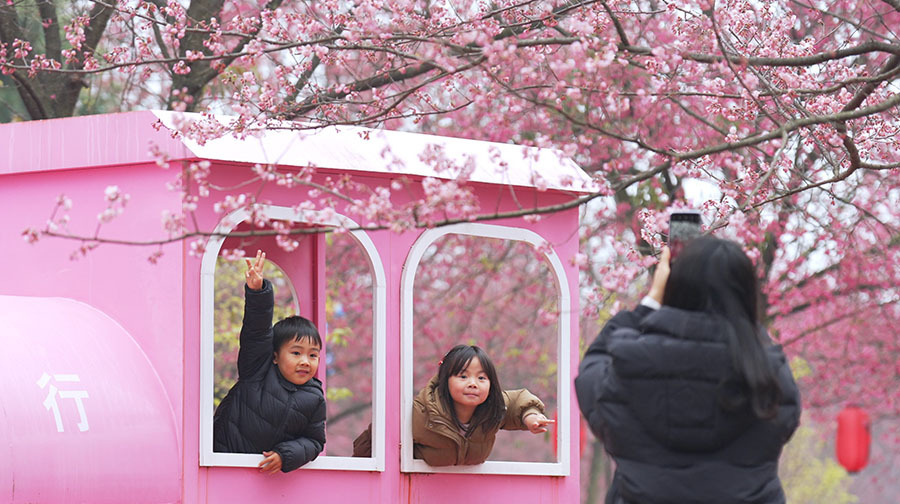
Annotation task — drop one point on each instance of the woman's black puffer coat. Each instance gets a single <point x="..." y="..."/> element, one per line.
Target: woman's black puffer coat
<point x="264" y="411"/>
<point x="649" y="386"/>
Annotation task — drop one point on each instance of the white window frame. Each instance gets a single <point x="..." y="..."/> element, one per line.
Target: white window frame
<point x="563" y="385"/>
<point x="207" y="327"/>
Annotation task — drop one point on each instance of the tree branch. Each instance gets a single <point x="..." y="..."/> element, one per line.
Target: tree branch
<point x="893" y="3"/>
<point x="620" y="30"/>
<point x="834" y="320"/>
<point x="93" y="32"/>
<point x="539" y="210"/>
<point x="52" y="43"/>
<point x="389" y="77"/>
<point x="890" y="66"/>
<point x="33" y="103"/>
<point x="791" y="126"/>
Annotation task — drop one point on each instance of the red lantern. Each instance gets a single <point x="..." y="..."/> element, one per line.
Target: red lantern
<point x="853" y="438"/>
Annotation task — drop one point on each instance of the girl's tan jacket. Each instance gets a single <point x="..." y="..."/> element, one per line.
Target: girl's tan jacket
<point x="438" y="440"/>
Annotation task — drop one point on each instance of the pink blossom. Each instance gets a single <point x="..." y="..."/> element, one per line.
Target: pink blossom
<point x="30" y="235"/>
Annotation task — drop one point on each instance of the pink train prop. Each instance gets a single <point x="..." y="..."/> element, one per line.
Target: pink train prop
<point x="106" y="359"/>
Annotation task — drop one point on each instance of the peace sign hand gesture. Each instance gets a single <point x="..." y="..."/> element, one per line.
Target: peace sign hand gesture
<point x="254" y="274"/>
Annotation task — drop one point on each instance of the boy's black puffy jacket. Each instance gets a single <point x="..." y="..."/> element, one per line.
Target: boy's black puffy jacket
<point x="264" y="411"/>
<point x="648" y="387"/>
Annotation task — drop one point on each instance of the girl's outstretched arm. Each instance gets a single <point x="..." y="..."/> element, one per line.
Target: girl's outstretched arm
<point x="520" y="403"/>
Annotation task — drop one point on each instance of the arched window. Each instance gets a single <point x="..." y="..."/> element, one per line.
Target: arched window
<point x="336" y="280"/>
<point x="505" y="290"/>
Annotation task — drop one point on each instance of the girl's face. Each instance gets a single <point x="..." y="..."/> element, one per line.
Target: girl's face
<point x="469" y="387"/>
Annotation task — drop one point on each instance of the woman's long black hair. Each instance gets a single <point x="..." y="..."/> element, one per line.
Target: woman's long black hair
<point x="488" y="414"/>
<point x="715" y="276"/>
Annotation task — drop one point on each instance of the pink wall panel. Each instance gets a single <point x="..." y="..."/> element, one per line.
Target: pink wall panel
<point x="118" y="280"/>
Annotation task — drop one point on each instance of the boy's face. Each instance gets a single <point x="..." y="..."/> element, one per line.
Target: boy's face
<point x="298" y="360"/>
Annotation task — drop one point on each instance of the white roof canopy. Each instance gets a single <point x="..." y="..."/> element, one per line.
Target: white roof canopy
<point x="384" y="151"/>
<point x="107" y="140"/>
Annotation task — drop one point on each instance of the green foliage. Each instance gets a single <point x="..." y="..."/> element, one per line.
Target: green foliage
<point x="808" y="470"/>
<point x="338" y="393"/>
<point x="100" y="99"/>
<point x="340" y="336"/>
<point x="800" y="368"/>
<point x="513" y="352"/>
<point x="11" y="108"/>
<point x="810" y="474"/>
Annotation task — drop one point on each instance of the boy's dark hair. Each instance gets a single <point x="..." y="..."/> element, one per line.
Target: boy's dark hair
<point x="488" y="414"/>
<point x="294" y="328"/>
<point x="715" y="276"/>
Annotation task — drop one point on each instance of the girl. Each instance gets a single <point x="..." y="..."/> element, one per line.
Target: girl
<point x="457" y="415"/>
<point x="687" y="392"/>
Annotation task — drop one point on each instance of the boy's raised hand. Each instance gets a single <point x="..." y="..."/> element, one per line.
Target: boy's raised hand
<point x="254" y="274"/>
<point x="271" y="464"/>
<point x="537" y="422"/>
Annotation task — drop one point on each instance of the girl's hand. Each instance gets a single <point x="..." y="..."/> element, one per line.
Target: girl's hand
<point x="271" y="464"/>
<point x="660" y="276"/>
<point x="537" y="422"/>
<point x="254" y="274"/>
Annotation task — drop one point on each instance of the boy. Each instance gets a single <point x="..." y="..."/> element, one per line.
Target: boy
<point x="277" y="406"/>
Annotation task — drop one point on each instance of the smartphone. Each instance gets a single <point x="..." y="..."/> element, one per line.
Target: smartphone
<point x="684" y="226"/>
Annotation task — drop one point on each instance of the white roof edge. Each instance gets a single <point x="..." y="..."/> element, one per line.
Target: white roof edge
<point x="383" y="151"/>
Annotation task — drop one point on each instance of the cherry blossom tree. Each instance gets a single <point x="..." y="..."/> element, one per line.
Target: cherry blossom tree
<point x="778" y="119"/>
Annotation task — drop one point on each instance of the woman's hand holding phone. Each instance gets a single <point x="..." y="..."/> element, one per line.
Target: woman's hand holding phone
<point x="660" y="276"/>
<point x="684" y="225"/>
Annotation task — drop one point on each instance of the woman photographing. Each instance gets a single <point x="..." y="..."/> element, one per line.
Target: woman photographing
<point x="687" y="392"/>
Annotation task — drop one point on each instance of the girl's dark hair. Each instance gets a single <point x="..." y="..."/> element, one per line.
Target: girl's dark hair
<point x="715" y="276"/>
<point x="488" y="414"/>
<point x="294" y="328"/>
